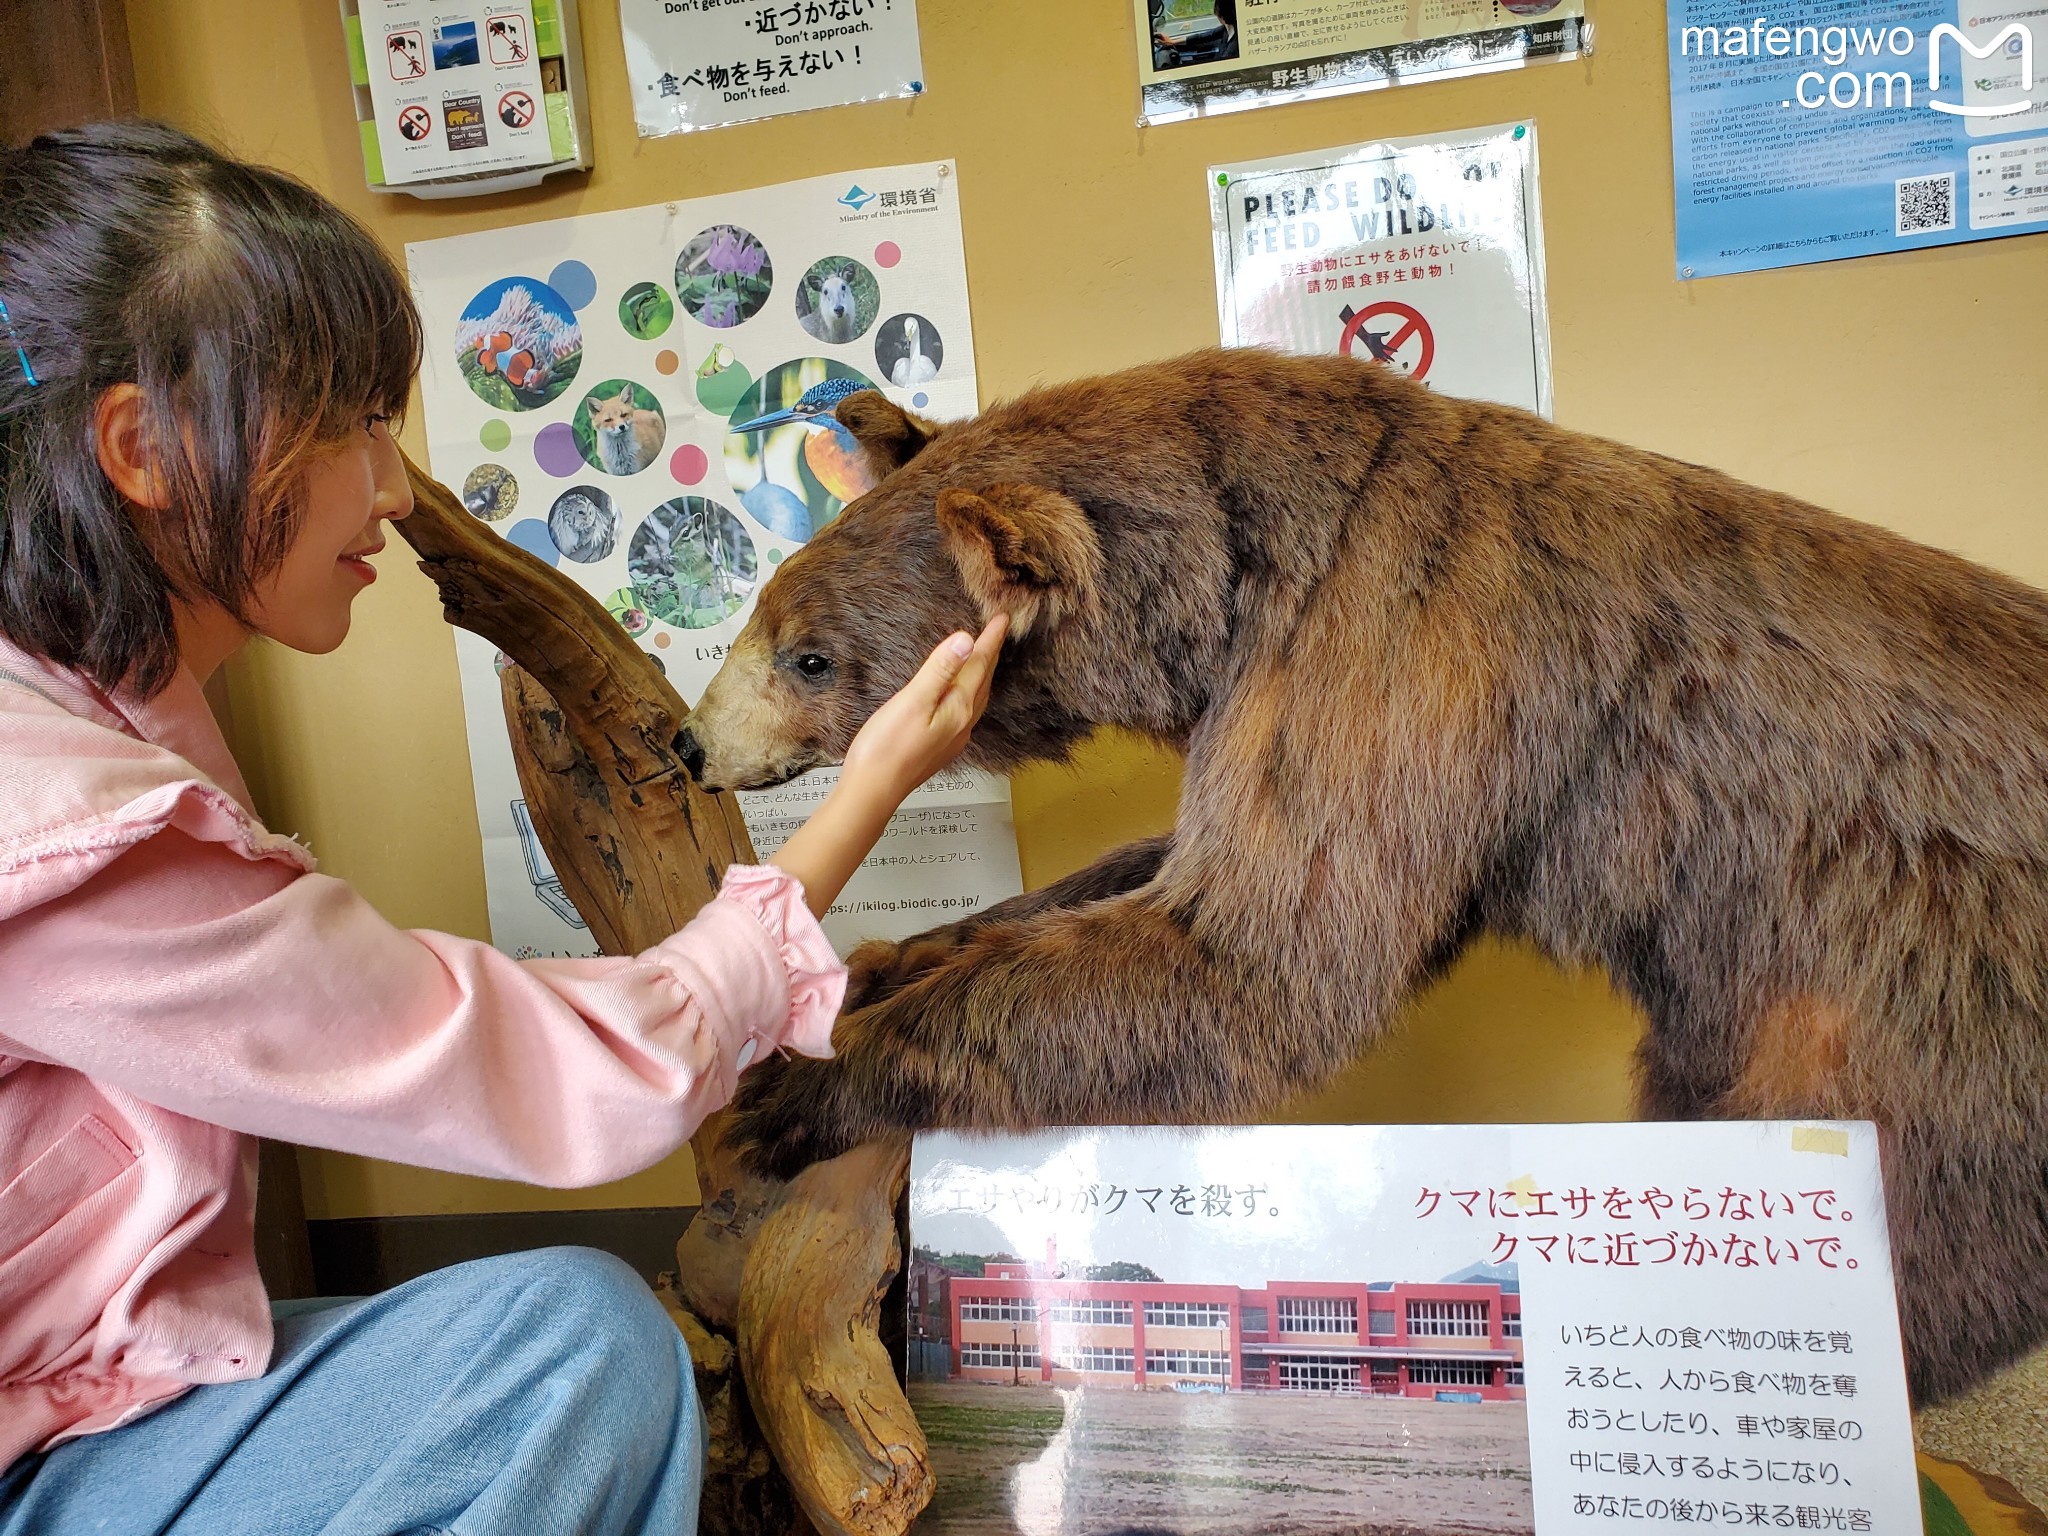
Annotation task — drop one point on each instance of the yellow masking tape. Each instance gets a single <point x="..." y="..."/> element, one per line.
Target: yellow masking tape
<point x="1820" y="1138"/>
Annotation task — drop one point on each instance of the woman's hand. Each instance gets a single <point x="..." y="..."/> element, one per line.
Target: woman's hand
<point x="926" y="725"/>
<point x="910" y="738"/>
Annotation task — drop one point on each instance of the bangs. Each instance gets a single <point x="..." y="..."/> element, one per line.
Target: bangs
<point x="296" y="327"/>
<point x="330" y="326"/>
<point x="289" y="326"/>
<point x="363" y="360"/>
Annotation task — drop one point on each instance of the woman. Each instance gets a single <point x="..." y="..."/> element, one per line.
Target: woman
<point x="199" y="363"/>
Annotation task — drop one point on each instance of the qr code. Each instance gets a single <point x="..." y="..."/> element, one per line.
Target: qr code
<point x="1927" y="204"/>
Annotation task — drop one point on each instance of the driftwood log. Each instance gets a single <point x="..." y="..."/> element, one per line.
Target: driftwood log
<point x="778" y="1288"/>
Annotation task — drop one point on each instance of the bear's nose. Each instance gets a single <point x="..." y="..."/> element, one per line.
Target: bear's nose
<point x="691" y="754"/>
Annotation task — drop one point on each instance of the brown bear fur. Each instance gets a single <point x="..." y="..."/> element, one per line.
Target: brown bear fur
<point x="1440" y="668"/>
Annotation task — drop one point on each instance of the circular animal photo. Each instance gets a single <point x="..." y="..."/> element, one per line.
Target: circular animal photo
<point x="584" y="524"/>
<point x="837" y="299"/>
<point x="724" y="276"/>
<point x="518" y="344"/>
<point x="721" y="379"/>
<point x="908" y="350"/>
<point x="619" y="427"/>
<point x="490" y="492"/>
<point x="624" y="605"/>
<point x="646" y="311"/>
<point x="792" y="464"/>
<point x="692" y="563"/>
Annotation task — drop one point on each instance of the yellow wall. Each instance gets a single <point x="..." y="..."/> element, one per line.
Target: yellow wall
<point x="1910" y="390"/>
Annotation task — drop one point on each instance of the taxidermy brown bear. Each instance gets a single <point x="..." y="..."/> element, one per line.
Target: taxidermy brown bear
<point x="1441" y="668"/>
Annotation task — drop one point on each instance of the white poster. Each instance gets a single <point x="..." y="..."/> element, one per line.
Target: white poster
<point x="1197" y="58"/>
<point x="1424" y="254"/>
<point x="457" y="87"/>
<point x="1466" y="1330"/>
<point x="625" y="396"/>
<point x="704" y="63"/>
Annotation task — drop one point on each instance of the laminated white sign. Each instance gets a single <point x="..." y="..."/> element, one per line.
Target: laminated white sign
<point x="703" y="63"/>
<point x="1326" y="1330"/>
<point x="1423" y="254"/>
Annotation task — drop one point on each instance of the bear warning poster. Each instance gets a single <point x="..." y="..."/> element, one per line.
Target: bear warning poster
<point x="1423" y="254"/>
<point x="455" y="88"/>
<point x="632" y="397"/>
<point x="1197" y="58"/>
<point x="1434" y="1330"/>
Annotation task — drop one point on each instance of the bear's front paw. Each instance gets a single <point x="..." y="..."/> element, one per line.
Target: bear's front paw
<point x="880" y="968"/>
<point x="786" y="1117"/>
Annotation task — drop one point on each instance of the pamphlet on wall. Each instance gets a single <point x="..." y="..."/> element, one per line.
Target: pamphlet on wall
<point x="1422" y="254"/>
<point x="704" y="63"/>
<point x="640" y="399"/>
<point x="1324" y="1329"/>
<point x="1817" y="129"/>
<point x="457" y="88"/>
<point x="1201" y="57"/>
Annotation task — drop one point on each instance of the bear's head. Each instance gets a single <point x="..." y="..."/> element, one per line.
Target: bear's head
<point x="937" y="545"/>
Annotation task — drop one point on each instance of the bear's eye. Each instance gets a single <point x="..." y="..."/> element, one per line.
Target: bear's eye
<point x="814" y="667"/>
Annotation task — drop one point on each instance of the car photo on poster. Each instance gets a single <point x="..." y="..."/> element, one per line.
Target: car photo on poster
<point x="1188" y="32"/>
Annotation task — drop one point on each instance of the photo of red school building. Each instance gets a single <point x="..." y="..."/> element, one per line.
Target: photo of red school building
<point x="1456" y="1340"/>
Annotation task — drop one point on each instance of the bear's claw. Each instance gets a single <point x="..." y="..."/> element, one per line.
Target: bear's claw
<point x="781" y="1120"/>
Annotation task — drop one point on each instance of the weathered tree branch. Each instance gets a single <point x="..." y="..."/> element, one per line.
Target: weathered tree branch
<point x="854" y="1455"/>
<point x="781" y="1312"/>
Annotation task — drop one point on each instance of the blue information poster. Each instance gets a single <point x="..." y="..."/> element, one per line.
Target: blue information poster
<point x="1810" y="130"/>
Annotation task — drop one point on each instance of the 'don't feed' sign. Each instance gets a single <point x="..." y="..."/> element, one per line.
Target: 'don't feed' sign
<point x="1422" y="255"/>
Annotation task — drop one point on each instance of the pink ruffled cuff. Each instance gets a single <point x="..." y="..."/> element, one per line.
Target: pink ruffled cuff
<point x="817" y="981"/>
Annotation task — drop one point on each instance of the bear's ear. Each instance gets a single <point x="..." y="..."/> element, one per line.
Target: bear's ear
<point x="889" y="436"/>
<point x="1022" y="550"/>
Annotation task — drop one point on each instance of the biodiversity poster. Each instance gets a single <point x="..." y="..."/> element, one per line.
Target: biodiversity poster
<point x="704" y="63"/>
<point x="631" y="397"/>
<point x="1818" y="129"/>
<point x="1422" y="254"/>
<point x="1197" y="58"/>
<point x="1435" y="1330"/>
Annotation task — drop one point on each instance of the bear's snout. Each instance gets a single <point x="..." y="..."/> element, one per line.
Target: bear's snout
<point x="690" y="752"/>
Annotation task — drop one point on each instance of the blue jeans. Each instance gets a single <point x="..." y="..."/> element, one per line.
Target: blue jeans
<point x="536" y="1393"/>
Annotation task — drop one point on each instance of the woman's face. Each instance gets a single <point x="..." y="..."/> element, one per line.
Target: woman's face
<point x="350" y="493"/>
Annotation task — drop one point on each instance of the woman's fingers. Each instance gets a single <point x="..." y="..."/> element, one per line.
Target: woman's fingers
<point x="935" y="680"/>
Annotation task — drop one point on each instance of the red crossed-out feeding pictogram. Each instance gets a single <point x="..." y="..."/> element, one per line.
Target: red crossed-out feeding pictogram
<point x="1406" y="340"/>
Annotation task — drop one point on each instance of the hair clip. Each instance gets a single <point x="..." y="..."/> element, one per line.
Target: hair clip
<point x="27" y="369"/>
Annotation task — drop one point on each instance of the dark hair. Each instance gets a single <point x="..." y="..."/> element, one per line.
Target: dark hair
<point x="261" y="324"/>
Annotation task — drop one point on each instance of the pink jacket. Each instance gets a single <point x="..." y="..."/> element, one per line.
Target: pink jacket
<point x="175" y="980"/>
